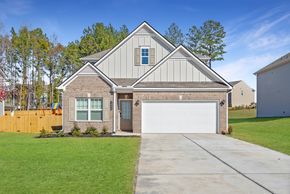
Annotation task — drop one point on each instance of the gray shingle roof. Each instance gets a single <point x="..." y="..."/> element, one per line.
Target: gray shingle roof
<point x="235" y="82"/>
<point x="279" y="62"/>
<point x="96" y="56"/>
<point x="124" y="81"/>
<point x="180" y="85"/>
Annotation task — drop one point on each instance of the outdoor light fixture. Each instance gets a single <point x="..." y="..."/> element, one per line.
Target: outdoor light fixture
<point x="137" y="102"/>
<point x="222" y="102"/>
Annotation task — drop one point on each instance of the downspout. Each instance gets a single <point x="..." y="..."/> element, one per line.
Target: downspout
<point x="114" y="110"/>
<point x="227" y="112"/>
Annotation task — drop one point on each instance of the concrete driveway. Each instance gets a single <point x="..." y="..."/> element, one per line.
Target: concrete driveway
<point x="209" y="163"/>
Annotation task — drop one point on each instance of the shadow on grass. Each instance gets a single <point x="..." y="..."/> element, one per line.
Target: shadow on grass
<point x="249" y="120"/>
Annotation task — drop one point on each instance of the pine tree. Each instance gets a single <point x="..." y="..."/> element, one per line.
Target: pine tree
<point x="207" y="40"/>
<point x="174" y="35"/>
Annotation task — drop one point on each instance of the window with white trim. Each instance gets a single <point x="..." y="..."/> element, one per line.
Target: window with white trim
<point x="89" y="109"/>
<point x="144" y="56"/>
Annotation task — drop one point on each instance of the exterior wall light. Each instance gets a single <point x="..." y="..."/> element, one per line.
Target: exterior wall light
<point x="137" y="102"/>
<point x="222" y="102"/>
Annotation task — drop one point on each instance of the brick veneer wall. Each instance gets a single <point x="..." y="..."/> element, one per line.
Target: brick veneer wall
<point x="176" y="96"/>
<point x="83" y="86"/>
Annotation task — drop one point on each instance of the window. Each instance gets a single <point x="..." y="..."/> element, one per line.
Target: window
<point x="144" y="56"/>
<point x="242" y="93"/>
<point x="89" y="109"/>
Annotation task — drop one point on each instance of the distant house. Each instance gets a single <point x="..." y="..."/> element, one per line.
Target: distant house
<point x="273" y="88"/>
<point x="2" y="76"/>
<point x="241" y="95"/>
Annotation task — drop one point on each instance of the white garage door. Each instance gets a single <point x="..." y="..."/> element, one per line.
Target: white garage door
<point x="179" y="117"/>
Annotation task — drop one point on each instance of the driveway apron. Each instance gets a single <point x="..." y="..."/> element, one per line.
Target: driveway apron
<point x="209" y="163"/>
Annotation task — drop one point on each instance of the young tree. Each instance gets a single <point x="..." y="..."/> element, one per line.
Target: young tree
<point x="21" y="43"/>
<point x="40" y="50"/>
<point x="10" y="67"/>
<point x="207" y="40"/>
<point x="71" y="59"/>
<point x="99" y="37"/>
<point x="174" y="35"/>
<point x="52" y="67"/>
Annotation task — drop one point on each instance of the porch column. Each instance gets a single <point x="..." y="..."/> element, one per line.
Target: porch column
<point x="114" y="109"/>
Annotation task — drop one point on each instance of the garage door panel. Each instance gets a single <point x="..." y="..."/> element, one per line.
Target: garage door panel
<point x="179" y="117"/>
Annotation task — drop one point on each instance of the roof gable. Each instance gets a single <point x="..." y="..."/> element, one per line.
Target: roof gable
<point x="141" y="28"/>
<point x="86" y="69"/>
<point x="196" y="64"/>
<point x="277" y="63"/>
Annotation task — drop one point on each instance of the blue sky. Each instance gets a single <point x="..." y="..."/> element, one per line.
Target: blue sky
<point x="258" y="31"/>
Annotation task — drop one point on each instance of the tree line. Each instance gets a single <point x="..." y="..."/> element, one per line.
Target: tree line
<point x="35" y="64"/>
<point x="207" y="40"/>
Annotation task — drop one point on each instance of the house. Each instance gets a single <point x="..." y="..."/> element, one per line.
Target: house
<point x="2" y="103"/>
<point x="146" y="85"/>
<point x="273" y="89"/>
<point x="241" y="95"/>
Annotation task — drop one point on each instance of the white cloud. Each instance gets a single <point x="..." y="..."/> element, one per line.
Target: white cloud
<point x="270" y="41"/>
<point x="243" y="68"/>
<point x="267" y="26"/>
<point x="269" y="31"/>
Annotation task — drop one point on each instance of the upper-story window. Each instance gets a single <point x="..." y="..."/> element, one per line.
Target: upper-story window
<point x="144" y="56"/>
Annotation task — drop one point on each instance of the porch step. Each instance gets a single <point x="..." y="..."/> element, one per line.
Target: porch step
<point x="126" y="134"/>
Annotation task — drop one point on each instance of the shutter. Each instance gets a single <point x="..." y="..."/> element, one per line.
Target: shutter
<point x="137" y="56"/>
<point x="71" y="109"/>
<point x="106" y="109"/>
<point x="152" y="56"/>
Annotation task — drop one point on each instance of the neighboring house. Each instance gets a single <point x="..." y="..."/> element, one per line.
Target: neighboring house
<point x="241" y="95"/>
<point x="2" y="104"/>
<point x="146" y="85"/>
<point x="273" y="88"/>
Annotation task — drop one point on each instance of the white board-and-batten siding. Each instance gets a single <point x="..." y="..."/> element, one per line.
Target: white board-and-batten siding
<point x="177" y="70"/>
<point x="121" y="63"/>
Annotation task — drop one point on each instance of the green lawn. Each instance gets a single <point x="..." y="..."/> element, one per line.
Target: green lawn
<point x="67" y="165"/>
<point x="273" y="133"/>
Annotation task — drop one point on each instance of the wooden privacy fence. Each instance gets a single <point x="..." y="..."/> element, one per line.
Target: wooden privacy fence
<point x="30" y="121"/>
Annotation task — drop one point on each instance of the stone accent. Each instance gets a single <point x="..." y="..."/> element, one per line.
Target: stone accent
<point x="87" y="86"/>
<point x="220" y="96"/>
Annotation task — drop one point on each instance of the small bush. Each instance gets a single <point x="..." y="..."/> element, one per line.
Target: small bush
<point x="105" y="130"/>
<point x="92" y="131"/>
<point x="223" y="133"/>
<point x="76" y="131"/>
<point x="43" y="133"/>
<point x="230" y="129"/>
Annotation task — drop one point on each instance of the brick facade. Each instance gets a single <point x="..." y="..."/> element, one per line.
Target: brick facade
<point x="94" y="86"/>
<point x="220" y="96"/>
<point x="87" y="86"/>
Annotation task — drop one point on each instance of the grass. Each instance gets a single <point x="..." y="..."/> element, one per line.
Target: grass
<point x="67" y="165"/>
<point x="273" y="133"/>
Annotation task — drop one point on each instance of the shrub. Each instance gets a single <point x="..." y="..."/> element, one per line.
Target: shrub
<point x="92" y="131"/>
<point x="76" y="131"/>
<point x="230" y="129"/>
<point x="105" y="129"/>
<point x="43" y="133"/>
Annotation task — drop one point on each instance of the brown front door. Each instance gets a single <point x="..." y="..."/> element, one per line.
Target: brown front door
<point x="126" y="115"/>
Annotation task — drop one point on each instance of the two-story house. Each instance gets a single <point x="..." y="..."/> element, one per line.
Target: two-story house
<point x="146" y="85"/>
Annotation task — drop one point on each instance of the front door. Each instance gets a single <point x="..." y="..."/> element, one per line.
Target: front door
<point x="126" y="115"/>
